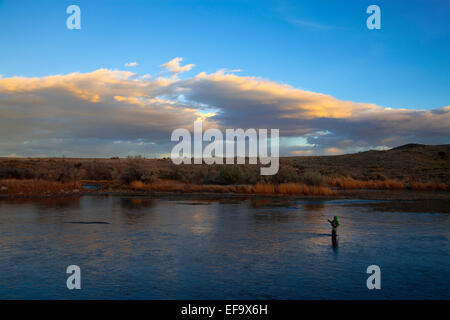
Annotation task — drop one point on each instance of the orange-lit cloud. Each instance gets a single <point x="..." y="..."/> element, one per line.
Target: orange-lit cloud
<point x="173" y="66"/>
<point x="86" y="114"/>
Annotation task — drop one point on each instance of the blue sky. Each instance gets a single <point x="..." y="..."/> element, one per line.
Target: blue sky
<point x="322" y="46"/>
<point x="311" y="68"/>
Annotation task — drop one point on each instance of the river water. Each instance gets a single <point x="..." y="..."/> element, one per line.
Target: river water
<point x="135" y="247"/>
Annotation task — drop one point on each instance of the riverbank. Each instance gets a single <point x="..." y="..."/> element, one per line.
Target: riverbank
<point x="407" y="172"/>
<point x="12" y="189"/>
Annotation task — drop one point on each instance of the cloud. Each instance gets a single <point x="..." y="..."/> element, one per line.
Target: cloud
<point x="173" y="66"/>
<point x="131" y="64"/>
<point x="302" y="153"/>
<point x="84" y="113"/>
<point x="113" y="112"/>
<point x="256" y="102"/>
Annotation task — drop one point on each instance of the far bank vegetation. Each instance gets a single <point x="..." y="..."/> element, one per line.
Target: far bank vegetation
<point x="383" y="170"/>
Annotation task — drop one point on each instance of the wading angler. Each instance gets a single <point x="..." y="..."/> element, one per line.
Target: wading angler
<point x="236" y="148"/>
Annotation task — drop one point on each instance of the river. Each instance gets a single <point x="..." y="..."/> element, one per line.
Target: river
<point x="186" y="247"/>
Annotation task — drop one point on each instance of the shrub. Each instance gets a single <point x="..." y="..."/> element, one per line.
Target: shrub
<point x="313" y="178"/>
<point x="135" y="171"/>
<point x="15" y="173"/>
<point x="286" y="174"/>
<point x="251" y="175"/>
<point x="229" y="174"/>
<point x="213" y="177"/>
<point x="172" y="173"/>
<point x="96" y="171"/>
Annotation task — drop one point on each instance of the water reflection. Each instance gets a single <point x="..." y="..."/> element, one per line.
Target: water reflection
<point x="334" y="242"/>
<point x="136" y="203"/>
<point x="203" y="248"/>
<point x="315" y="206"/>
<point x="135" y="209"/>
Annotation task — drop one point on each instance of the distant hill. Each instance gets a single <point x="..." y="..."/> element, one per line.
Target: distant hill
<point x="412" y="161"/>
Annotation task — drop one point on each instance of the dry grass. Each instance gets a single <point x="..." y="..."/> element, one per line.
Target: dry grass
<point x="428" y="186"/>
<point x="349" y="183"/>
<point x="137" y="185"/>
<point x="411" y="167"/>
<point x="31" y="187"/>
<point x="35" y="187"/>
<point x="389" y="184"/>
<point x="302" y="189"/>
<point x="265" y="189"/>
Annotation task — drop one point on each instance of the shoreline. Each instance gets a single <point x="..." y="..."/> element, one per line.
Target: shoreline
<point x="387" y="195"/>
